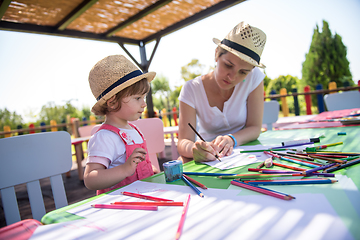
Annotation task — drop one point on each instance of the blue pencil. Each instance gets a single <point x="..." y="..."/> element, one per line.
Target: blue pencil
<point x="192" y="186"/>
<point x="291" y="182"/>
<point x="285" y="194"/>
<point x="209" y="174"/>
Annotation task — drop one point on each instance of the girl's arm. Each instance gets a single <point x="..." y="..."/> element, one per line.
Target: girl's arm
<point x="97" y="176"/>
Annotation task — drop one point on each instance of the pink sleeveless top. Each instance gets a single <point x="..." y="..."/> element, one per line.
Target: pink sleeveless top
<point x="143" y="169"/>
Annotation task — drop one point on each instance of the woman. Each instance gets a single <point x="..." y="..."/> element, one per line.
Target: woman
<point x="226" y="104"/>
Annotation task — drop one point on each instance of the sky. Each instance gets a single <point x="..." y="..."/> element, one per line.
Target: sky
<point x="36" y="69"/>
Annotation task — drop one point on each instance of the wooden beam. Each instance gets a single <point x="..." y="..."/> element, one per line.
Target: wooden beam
<point x="4" y="6"/>
<point x="194" y="18"/>
<point x="85" y="5"/>
<point x="137" y="16"/>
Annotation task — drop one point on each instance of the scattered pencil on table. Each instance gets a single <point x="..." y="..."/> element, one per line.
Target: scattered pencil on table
<point x="198" y="134"/>
<point x="127" y="207"/>
<point x="194" y="181"/>
<point x="291" y="181"/>
<point x="182" y="219"/>
<point x="192" y="186"/>
<point x="137" y="195"/>
<point x="149" y="203"/>
<point x="262" y="190"/>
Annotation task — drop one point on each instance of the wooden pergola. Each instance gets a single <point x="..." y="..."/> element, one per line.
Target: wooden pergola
<point x="135" y="22"/>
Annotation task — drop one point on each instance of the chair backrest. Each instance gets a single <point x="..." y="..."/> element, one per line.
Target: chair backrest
<point x="85" y="131"/>
<point x="342" y="100"/>
<point x="153" y="130"/>
<point x="271" y="113"/>
<point x="28" y="158"/>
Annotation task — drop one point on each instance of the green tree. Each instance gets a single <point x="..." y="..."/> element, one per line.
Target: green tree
<point x="192" y="70"/>
<point x="8" y="118"/>
<point x="160" y="87"/>
<point x="326" y="60"/>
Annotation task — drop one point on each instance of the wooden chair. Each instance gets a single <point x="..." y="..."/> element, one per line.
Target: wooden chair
<point x="153" y="130"/>
<point x="27" y="159"/>
<point x="271" y="113"/>
<point x="342" y="100"/>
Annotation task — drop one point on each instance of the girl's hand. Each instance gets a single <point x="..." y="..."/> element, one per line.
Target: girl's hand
<point x="224" y="145"/>
<point x="137" y="156"/>
<point x="204" y="151"/>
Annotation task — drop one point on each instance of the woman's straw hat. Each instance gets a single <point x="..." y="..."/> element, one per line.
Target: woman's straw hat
<point x="246" y="42"/>
<point x="111" y="75"/>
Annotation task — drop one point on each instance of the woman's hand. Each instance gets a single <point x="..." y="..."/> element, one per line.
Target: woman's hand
<point x="204" y="151"/>
<point x="224" y="145"/>
<point x="137" y="156"/>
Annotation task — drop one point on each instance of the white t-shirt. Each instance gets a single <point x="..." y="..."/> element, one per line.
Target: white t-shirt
<point x="109" y="145"/>
<point x="211" y="122"/>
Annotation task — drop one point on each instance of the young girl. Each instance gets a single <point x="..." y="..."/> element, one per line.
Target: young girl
<point x="117" y="153"/>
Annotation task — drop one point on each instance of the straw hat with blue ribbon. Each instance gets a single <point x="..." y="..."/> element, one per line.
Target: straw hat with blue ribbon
<point x="111" y="75"/>
<point x="246" y="42"/>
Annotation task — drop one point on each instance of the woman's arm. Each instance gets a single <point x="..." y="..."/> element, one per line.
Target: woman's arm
<point x="187" y="147"/>
<point x="255" y="110"/>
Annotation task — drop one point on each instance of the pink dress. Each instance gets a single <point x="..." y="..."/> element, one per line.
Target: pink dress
<point x="143" y="169"/>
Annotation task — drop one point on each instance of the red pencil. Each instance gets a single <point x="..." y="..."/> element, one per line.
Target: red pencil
<point x="194" y="181"/>
<point x="145" y="197"/>
<point x="161" y="203"/>
<point x="182" y="219"/>
<point x="113" y="206"/>
<point x="260" y="190"/>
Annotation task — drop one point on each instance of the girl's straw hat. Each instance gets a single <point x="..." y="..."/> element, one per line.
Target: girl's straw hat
<point x="246" y="42"/>
<point x="111" y="75"/>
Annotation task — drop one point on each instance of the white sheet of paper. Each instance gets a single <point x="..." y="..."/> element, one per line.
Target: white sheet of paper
<point x="219" y="215"/>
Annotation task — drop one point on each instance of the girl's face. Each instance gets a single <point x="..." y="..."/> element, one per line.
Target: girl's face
<point x="231" y="70"/>
<point x="131" y="107"/>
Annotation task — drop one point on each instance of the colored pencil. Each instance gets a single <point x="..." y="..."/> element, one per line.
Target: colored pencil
<point x="260" y="165"/>
<point x="293" y="145"/>
<point x="182" y="219"/>
<point x="294" y="155"/>
<point x="260" y="190"/>
<point x="259" y="176"/>
<point x="289" y="167"/>
<point x="268" y="189"/>
<point x="348" y="164"/>
<point x="308" y="172"/>
<point x="285" y="172"/>
<point x="291" y="182"/>
<point x="127" y="207"/>
<point x="208" y="174"/>
<point x="192" y="186"/>
<point x="194" y="181"/>
<point x="130" y="194"/>
<point x="299" y="160"/>
<point x="198" y="134"/>
<point x="262" y="150"/>
<point x="162" y="203"/>
<point x="328" y="145"/>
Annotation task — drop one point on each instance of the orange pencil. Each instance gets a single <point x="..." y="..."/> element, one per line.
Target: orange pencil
<point x="194" y="181"/>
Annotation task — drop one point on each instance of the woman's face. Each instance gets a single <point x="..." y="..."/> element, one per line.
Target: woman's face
<point x="231" y="70"/>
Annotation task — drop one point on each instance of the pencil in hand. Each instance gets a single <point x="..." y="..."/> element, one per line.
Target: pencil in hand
<point x="198" y="134"/>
